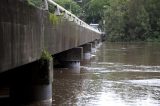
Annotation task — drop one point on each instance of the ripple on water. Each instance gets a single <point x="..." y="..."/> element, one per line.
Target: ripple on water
<point x="113" y="79"/>
<point x="120" y="67"/>
<point x="93" y="68"/>
<point x="148" y="82"/>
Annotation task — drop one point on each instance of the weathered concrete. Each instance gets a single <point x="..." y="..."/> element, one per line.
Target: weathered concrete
<point x="98" y="44"/>
<point x="93" y="46"/>
<point x="31" y="83"/>
<point x="26" y="31"/>
<point x="75" y="54"/>
<point x="87" y="49"/>
<point x="70" y="58"/>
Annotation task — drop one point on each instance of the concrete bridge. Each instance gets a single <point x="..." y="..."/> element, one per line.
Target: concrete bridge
<point x="25" y="32"/>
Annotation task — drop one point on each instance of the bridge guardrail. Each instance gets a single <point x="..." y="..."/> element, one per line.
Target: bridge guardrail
<point x="72" y="17"/>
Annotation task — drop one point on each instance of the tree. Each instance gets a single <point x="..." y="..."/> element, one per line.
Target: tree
<point x="153" y="9"/>
<point x="70" y="5"/>
<point x="94" y="10"/>
<point x="133" y="20"/>
<point x="115" y="14"/>
<point x="138" y="20"/>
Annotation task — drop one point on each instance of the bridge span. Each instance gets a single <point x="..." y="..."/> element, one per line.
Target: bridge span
<point x="25" y="32"/>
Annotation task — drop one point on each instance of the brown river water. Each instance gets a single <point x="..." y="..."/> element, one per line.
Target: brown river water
<point x="119" y="74"/>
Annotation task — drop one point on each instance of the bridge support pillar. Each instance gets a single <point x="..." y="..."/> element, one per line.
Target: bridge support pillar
<point x="93" y="46"/>
<point x="70" y="58"/>
<point x="31" y="84"/>
<point x="98" y="43"/>
<point x="87" y="49"/>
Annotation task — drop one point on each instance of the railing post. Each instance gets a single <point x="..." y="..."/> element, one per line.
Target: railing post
<point x="45" y="4"/>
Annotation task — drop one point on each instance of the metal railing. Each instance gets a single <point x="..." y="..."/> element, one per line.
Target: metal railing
<point x="71" y="17"/>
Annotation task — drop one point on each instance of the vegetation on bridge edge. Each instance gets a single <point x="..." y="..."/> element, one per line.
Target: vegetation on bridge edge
<point x="46" y="56"/>
<point x="54" y="19"/>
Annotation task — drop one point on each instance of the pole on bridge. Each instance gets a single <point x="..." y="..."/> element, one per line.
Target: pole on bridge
<point x="45" y="4"/>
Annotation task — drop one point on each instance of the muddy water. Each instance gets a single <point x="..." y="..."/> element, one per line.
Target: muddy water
<point x="119" y="74"/>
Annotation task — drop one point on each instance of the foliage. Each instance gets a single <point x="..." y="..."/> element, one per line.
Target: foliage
<point x="133" y="20"/>
<point x="71" y="6"/>
<point x="37" y="3"/>
<point x="46" y="56"/>
<point x="51" y="8"/>
<point x="54" y="18"/>
<point x="94" y="10"/>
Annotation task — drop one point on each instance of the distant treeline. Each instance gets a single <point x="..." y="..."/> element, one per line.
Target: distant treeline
<point x="133" y="20"/>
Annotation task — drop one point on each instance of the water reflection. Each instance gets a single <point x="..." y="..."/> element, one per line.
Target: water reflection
<point x="130" y="53"/>
<point x="124" y="74"/>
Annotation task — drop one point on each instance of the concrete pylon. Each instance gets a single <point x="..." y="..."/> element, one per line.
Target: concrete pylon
<point x="32" y="84"/>
<point x="70" y="58"/>
<point x="87" y="49"/>
<point x="99" y="43"/>
<point x="93" y="46"/>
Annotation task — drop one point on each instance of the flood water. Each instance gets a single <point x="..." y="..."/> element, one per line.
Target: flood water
<point x="119" y="74"/>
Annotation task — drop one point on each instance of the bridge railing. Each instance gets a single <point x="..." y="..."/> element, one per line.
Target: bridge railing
<point x="71" y="17"/>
